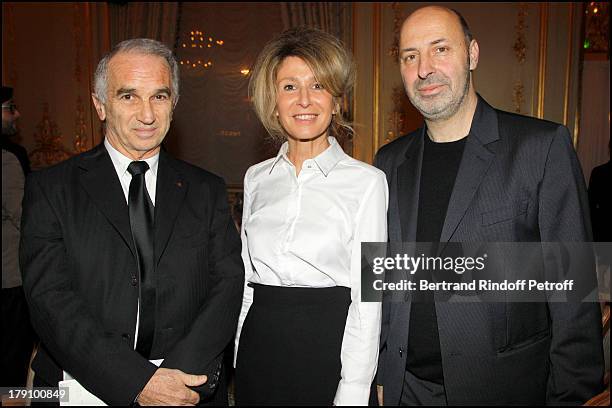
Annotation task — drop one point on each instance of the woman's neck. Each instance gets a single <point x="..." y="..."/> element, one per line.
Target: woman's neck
<point x="302" y="150"/>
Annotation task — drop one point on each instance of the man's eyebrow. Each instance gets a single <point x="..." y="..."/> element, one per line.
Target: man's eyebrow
<point x="434" y="42"/>
<point x="122" y="91"/>
<point x="438" y="41"/>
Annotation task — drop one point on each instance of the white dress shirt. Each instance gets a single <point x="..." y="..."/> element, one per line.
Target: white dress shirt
<point x="306" y="231"/>
<point x="121" y="163"/>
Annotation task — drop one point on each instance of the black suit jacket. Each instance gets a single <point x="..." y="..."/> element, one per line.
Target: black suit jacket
<point x="79" y="274"/>
<point x="519" y="181"/>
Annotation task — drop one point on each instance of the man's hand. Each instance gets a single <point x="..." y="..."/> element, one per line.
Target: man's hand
<point x="379" y="392"/>
<point x="170" y="387"/>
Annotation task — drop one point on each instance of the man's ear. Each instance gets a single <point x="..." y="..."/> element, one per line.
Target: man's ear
<point x="474" y="54"/>
<point x="99" y="107"/>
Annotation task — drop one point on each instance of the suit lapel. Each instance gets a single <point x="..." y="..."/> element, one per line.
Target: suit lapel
<point x="476" y="160"/>
<point x="408" y="178"/>
<point x="99" y="179"/>
<point x="408" y="183"/>
<point x="170" y="193"/>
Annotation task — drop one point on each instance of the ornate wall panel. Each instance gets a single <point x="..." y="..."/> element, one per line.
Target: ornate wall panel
<point x="594" y="124"/>
<point x="48" y="51"/>
<point x="366" y="46"/>
<point x="529" y="63"/>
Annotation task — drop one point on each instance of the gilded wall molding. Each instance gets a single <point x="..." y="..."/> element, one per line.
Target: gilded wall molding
<point x="376" y="29"/>
<point x="80" y="133"/>
<point x="398" y="18"/>
<point x="520" y="52"/>
<point x="518" y="95"/>
<point x="49" y="148"/>
<point x="542" y="56"/>
<point x="568" y="64"/>
<point x="397" y="116"/>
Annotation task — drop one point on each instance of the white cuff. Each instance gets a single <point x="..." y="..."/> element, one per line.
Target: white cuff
<point x="352" y="394"/>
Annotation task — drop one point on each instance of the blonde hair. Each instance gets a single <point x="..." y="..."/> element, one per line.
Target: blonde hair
<point x="330" y="62"/>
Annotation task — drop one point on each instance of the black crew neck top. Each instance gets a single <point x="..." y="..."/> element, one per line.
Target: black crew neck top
<point x="438" y="173"/>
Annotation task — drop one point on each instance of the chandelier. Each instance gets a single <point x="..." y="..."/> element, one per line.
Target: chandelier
<point x="196" y="51"/>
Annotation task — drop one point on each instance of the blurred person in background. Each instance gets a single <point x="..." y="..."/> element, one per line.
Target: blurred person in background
<point x="17" y="334"/>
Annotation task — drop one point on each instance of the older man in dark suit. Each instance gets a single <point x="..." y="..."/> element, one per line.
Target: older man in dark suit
<point x="477" y="174"/>
<point x="131" y="263"/>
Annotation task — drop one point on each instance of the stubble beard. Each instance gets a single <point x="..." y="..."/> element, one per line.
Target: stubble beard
<point x="444" y="105"/>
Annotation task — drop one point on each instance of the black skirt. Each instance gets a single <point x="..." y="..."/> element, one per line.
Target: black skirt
<point x="289" y="349"/>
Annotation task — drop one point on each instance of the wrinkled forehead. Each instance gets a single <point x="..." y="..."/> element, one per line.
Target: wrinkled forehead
<point x="139" y="64"/>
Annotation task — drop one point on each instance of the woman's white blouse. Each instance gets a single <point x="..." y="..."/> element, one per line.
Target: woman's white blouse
<point x="306" y="231"/>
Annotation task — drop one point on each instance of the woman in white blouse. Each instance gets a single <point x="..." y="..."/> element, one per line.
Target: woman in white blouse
<point x="304" y="336"/>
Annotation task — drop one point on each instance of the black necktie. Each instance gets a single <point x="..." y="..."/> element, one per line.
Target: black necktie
<point x="142" y="224"/>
